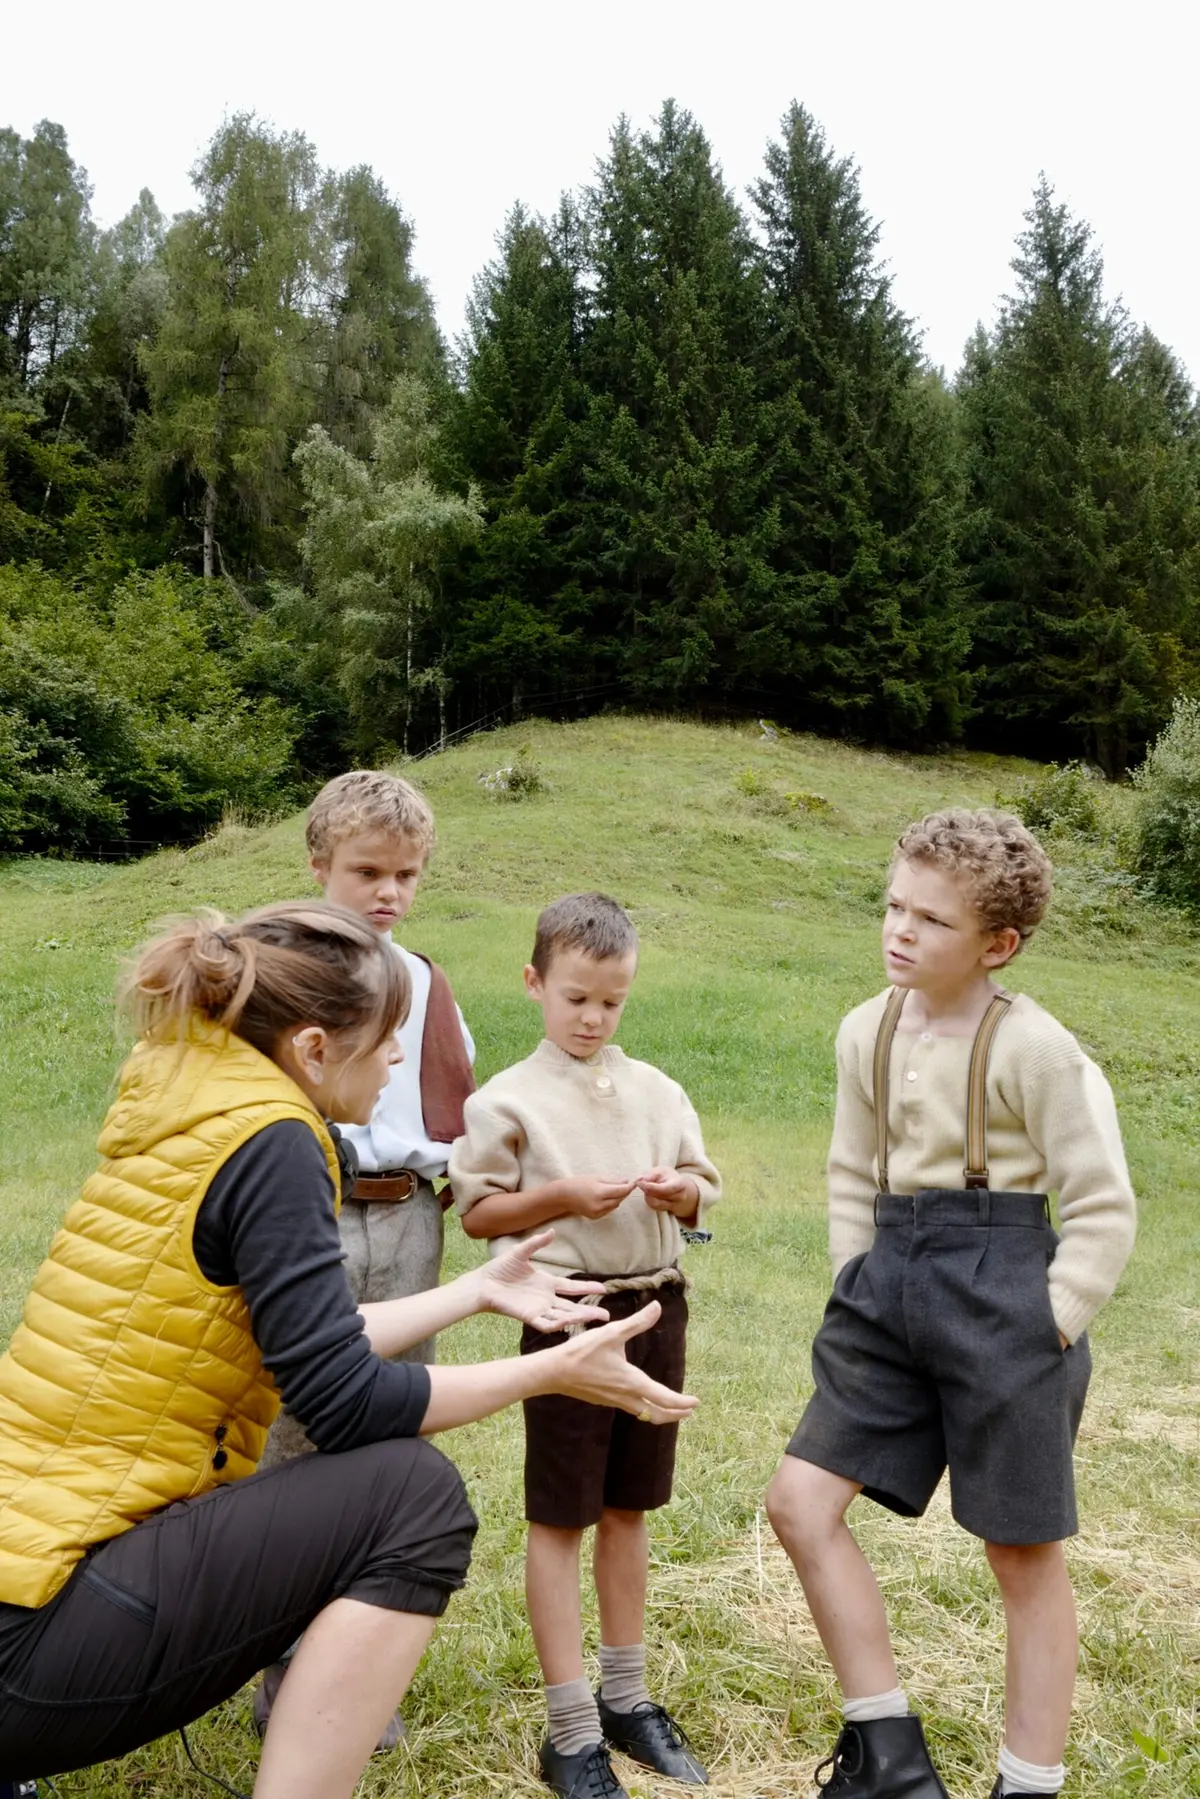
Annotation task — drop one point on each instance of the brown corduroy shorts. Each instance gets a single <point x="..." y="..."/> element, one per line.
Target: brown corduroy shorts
<point x="581" y="1459"/>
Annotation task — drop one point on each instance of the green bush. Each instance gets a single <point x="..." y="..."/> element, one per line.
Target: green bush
<point x="1168" y="819"/>
<point x="517" y="780"/>
<point x="1059" y="798"/>
<point x="119" y="717"/>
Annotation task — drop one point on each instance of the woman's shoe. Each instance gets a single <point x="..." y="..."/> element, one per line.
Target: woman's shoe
<point x="882" y="1758"/>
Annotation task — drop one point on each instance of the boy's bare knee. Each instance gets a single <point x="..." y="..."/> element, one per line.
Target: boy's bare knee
<point x="1024" y="1565"/>
<point x="806" y="1504"/>
<point x="614" y="1518"/>
<point x="554" y="1538"/>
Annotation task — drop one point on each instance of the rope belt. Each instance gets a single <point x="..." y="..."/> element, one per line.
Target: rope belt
<point x="651" y="1282"/>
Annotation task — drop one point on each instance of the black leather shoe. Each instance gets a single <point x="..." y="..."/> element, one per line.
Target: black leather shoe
<point x="998" y="1793"/>
<point x="650" y="1735"/>
<point x="883" y="1758"/>
<point x="588" y="1774"/>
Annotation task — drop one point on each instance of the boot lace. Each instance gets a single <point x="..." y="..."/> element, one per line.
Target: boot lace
<point x="597" y="1780"/>
<point x="676" y="1736"/>
<point x="844" y="1765"/>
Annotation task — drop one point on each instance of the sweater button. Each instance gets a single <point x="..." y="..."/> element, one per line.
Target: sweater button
<point x="912" y="1074"/>
<point x="603" y="1082"/>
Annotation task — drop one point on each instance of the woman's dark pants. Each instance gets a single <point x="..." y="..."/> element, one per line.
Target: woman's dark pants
<point x="159" y="1625"/>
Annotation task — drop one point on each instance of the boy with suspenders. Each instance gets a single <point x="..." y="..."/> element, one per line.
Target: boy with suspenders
<point x="955" y="1334"/>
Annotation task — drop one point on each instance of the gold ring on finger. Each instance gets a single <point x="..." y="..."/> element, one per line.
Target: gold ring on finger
<point x="643" y="1417"/>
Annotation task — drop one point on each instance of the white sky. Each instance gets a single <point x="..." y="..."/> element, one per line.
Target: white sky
<point x="949" y="107"/>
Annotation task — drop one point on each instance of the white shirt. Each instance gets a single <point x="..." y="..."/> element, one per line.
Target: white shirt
<point x="396" y="1136"/>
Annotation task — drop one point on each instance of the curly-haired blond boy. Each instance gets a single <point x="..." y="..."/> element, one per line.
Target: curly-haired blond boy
<point x="954" y="1336"/>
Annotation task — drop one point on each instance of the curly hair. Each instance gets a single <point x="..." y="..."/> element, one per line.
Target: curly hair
<point x="367" y="799"/>
<point x="1005" y="871"/>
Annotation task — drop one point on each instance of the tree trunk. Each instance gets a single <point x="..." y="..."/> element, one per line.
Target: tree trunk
<point x="57" y="440"/>
<point x="407" y="674"/>
<point x="210" y="490"/>
<point x="210" y="531"/>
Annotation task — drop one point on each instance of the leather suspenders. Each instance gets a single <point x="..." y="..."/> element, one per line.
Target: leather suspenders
<point x="975" y="1173"/>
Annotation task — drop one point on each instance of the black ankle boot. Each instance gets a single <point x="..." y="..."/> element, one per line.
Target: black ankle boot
<point x="882" y="1758"/>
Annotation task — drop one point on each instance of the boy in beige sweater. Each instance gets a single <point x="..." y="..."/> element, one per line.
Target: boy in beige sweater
<point x="609" y="1151"/>
<point x="955" y="1333"/>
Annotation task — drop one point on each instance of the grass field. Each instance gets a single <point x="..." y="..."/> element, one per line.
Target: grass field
<point x="759" y="927"/>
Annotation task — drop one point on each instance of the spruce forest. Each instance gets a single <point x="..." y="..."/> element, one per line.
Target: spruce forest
<point x="259" y="520"/>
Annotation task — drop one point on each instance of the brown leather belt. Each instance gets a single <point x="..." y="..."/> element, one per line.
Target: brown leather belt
<point x="394" y="1187"/>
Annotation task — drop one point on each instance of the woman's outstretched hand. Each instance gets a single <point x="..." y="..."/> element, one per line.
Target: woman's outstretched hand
<point x="514" y="1287"/>
<point x="592" y="1366"/>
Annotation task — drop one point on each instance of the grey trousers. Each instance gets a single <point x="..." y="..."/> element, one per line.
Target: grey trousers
<point x="391" y="1250"/>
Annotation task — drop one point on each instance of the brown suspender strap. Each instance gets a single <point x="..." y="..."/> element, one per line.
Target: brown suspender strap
<point x="976" y="1171"/>
<point x="883" y="1058"/>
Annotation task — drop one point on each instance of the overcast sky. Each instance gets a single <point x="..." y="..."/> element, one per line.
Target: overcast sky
<point x="949" y="107"/>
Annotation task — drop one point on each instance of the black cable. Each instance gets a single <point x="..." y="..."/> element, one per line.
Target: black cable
<point x="204" y="1773"/>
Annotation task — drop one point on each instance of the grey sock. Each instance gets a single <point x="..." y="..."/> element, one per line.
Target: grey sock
<point x="623" y="1676"/>
<point x="574" y="1719"/>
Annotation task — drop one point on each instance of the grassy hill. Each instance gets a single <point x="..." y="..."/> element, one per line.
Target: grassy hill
<point x="758" y="911"/>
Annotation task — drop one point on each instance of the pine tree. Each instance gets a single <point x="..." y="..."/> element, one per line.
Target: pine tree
<point x="231" y="374"/>
<point x="380" y="315"/>
<point x="1082" y="537"/>
<point x="45" y="252"/>
<point x="862" y="631"/>
<point x="380" y="536"/>
<point x="674" y="536"/>
<point x="515" y="434"/>
<point x="101" y="382"/>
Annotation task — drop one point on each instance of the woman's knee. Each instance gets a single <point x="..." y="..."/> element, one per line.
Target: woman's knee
<point x="420" y="1506"/>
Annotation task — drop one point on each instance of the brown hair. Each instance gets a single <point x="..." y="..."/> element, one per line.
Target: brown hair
<point x="590" y="922"/>
<point x="367" y="800"/>
<point x="1004" y="870"/>
<point x="306" y="962"/>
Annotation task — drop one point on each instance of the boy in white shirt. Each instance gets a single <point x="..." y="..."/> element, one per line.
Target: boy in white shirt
<point x="369" y="838"/>
<point x="610" y="1151"/>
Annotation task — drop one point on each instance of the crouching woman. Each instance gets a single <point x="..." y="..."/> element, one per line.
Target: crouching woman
<point x="146" y="1571"/>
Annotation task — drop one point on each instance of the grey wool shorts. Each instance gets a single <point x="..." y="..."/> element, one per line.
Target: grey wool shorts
<point x="939" y="1349"/>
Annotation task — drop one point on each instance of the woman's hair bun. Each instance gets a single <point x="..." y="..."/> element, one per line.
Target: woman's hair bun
<point x="279" y="966"/>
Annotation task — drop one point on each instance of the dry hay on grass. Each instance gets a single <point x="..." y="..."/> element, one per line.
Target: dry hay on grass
<point x="949" y="1630"/>
<point x="1173" y="1419"/>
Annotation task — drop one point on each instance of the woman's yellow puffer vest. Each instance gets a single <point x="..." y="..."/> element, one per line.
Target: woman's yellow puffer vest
<point x="131" y="1380"/>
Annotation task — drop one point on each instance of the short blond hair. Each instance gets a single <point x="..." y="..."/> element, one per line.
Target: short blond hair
<point x="1004" y="870"/>
<point x="367" y="800"/>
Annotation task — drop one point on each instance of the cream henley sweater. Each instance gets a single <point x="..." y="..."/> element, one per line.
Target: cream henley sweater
<point x="553" y="1116"/>
<point x="1052" y="1128"/>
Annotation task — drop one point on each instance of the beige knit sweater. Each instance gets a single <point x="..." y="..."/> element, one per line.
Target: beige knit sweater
<point x="1052" y="1128"/>
<point x="553" y="1116"/>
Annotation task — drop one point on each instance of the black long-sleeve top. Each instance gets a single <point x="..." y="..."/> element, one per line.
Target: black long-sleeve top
<point x="267" y="1225"/>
